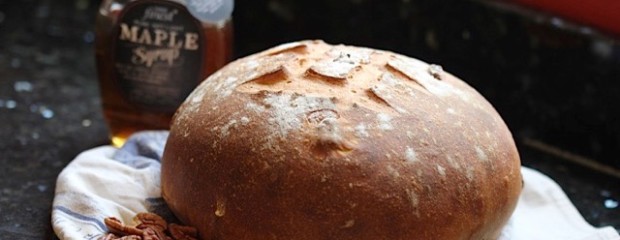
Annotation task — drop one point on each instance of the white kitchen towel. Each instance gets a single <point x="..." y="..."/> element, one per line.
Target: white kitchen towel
<point x="107" y="181"/>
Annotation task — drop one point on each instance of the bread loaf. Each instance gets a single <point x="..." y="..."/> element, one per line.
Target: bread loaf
<point x="313" y="141"/>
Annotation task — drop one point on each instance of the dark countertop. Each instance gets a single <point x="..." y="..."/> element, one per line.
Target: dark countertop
<point x="50" y="105"/>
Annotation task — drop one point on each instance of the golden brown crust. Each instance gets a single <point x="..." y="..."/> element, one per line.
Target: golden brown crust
<point x="313" y="141"/>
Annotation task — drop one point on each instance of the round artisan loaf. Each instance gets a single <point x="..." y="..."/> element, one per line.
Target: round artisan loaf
<point x="314" y="141"/>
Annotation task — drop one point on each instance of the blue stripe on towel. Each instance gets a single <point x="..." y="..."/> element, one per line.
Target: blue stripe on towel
<point x="84" y="218"/>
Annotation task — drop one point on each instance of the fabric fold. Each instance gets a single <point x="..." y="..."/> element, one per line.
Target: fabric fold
<point x="106" y="181"/>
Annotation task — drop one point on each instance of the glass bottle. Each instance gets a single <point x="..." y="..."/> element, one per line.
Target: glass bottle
<point x="152" y="53"/>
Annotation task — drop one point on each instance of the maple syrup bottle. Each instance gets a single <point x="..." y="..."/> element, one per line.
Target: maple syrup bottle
<point x="152" y="53"/>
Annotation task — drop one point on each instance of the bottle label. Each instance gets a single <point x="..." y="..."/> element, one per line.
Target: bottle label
<point x="158" y="54"/>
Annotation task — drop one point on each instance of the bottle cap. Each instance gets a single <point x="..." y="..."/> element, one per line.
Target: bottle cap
<point x="211" y="10"/>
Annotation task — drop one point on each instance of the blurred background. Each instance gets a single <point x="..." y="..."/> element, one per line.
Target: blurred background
<point x="550" y="68"/>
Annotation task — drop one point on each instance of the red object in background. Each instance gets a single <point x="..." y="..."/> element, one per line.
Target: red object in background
<point x="601" y="14"/>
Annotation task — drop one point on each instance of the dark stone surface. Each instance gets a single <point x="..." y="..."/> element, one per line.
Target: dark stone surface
<point x="556" y="85"/>
<point x="49" y="108"/>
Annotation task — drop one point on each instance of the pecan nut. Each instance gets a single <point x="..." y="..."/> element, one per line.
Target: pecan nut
<point x="154" y="234"/>
<point x="117" y="227"/>
<point x="150" y="220"/>
<point x="112" y="236"/>
<point x="130" y="237"/>
<point x="149" y="226"/>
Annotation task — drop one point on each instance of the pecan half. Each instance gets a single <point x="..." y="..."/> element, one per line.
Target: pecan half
<point x="154" y="234"/>
<point x="117" y="227"/>
<point x="130" y="237"/>
<point x="146" y="220"/>
<point x="149" y="226"/>
<point x="179" y="232"/>
<point x="112" y="236"/>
